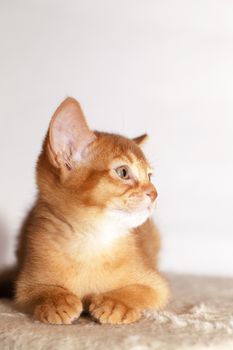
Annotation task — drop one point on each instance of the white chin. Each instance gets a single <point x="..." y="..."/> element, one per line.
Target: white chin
<point x="132" y="220"/>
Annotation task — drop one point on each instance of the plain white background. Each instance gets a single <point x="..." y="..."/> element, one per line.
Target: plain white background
<point x="159" y="66"/>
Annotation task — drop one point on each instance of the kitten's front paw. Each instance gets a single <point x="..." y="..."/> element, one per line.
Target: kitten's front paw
<point x="107" y="310"/>
<point x="59" y="309"/>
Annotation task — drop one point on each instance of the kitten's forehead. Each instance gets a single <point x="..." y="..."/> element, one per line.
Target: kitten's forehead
<point x="112" y="147"/>
<point x="130" y="160"/>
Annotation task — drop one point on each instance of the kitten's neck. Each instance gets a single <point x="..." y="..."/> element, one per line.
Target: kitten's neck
<point x="95" y="221"/>
<point x="89" y="228"/>
<point x="97" y="233"/>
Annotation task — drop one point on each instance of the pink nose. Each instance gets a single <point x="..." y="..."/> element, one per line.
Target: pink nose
<point x="152" y="193"/>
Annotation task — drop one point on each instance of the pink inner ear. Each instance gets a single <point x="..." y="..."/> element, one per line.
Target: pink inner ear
<point x="69" y="133"/>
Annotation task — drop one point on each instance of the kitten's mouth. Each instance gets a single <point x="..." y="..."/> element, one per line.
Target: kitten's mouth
<point x="130" y="218"/>
<point x="146" y="210"/>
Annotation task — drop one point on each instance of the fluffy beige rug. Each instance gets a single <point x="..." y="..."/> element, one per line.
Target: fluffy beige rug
<point x="200" y="316"/>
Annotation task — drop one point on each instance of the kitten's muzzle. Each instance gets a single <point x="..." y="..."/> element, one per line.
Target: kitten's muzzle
<point x="152" y="194"/>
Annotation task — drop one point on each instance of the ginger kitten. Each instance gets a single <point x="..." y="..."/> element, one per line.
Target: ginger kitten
<point x="89" y="243"/>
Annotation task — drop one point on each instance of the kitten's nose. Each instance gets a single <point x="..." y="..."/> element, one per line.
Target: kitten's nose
<point x="152" y="193"/>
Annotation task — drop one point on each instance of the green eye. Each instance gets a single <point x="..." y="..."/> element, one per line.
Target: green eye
<point x="123" y="172"/>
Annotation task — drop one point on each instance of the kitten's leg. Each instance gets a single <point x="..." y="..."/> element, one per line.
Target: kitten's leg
<point x="124" y="305"/>
<point x="51" y="304"/>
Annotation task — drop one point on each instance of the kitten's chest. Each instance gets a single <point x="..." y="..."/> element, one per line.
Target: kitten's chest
<point x="99" y="276"/>
<point x="98" y="242"/>
<point x="100" y="262"/>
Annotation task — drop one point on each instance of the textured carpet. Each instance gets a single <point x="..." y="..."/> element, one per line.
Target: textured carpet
<point x="200" y="316"/>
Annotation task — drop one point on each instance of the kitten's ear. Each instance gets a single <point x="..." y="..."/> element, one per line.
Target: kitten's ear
<point x="68" y="134"/>
<point x="140" y="140"/>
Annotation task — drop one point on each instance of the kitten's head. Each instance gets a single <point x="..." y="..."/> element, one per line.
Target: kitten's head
<point x="79" y="167"/>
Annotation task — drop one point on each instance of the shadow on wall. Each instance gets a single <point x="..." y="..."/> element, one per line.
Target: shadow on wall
<point x="4" y="242"/>
<point x="7" y="273"/>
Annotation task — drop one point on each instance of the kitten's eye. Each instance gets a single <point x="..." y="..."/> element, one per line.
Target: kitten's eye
<point x="123" y="172"/>
<point x="150" y="176"/>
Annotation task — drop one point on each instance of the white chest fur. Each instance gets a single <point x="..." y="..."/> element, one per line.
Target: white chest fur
<point x="98" y="238"/>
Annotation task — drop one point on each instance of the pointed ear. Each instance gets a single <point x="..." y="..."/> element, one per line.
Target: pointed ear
<point x="140" y="140"/>
<point x="68" y="135"/>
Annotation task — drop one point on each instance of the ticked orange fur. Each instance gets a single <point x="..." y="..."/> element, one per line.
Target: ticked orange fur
<point x="89" y="242"/>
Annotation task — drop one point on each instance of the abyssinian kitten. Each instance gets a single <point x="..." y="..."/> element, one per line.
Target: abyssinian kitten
<point x="88" y="243"/>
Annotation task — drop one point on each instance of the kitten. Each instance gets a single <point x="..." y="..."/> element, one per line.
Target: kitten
<point x="88" y="244"/>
